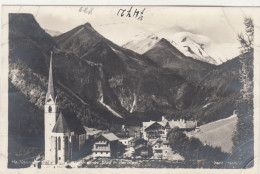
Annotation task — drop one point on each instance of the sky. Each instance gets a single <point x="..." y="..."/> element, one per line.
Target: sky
<point x="220" y="25"/>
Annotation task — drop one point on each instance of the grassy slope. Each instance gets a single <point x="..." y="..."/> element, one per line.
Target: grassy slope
<point x="218" y="133"/>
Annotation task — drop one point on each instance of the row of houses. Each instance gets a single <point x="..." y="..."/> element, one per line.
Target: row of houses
<point x="148" y="141"/>
<point x="159" y="129"/>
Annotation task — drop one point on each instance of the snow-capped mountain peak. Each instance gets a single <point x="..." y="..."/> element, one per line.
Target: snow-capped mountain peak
<point x="142" y="43"/>
<point x="191" y="48"/>
<point x="53" y="32"/>
<point x="191" y="45"/>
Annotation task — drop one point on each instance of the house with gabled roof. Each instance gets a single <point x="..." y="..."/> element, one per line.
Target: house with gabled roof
<point x="159" y="129"/>
<point x="105" y="146"/>
<point x="140" y="148"/>
<point x="128" y="133"/>
<point x="153" y="130"/>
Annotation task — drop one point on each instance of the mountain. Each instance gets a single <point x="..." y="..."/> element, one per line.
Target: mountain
<point x="167" y="56"/>
<point x="191" y="48"/>
<point x="131" y="81"/>
<point x="222" y="87"/>
<point x="96" y="79"/>
<point x="106" y="85"/>
<point x="142" y="43"/>
<point x="191" y="45"/>
<point x="53" y="32"/>
<point x="29" y="58"/>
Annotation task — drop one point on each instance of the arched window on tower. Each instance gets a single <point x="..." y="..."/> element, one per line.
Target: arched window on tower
<point x="59" y="145"/>
<point x="66" y="143"/>
<point x="50" y="109"/>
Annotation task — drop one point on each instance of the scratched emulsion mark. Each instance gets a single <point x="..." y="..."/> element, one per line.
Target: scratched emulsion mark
<point x="37" y="11"/>
<point x="137" y="13"/>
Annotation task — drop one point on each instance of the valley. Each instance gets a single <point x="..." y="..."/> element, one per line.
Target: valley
<point x="106" y="85"/>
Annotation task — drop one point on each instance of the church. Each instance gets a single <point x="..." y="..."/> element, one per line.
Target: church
<point x="65" y="136"/>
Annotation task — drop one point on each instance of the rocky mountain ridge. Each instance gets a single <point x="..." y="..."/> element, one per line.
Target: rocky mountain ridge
<point x="106" y="85"/>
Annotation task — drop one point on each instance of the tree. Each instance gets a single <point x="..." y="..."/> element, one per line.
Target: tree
<point x="247" y="40"/>
<point x="246" y="50"/>
<point x="245" y="132"/>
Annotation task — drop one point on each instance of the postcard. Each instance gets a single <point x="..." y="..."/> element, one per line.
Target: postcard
<point x="169" y="89"/>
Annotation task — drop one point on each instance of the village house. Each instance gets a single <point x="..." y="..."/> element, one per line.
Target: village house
<point x="140" y="148"/>
<point x="127" y="133"/>
<point x="126" y="141"/>
<point x="167" y="150"/>
<point x="161" y="149"/>
<point x="92" y="133"/>
<point x="106" y="145"/>
<point x="159" y="129"/>
<point x="153" y="130"/>
<point x="157" y="146"/>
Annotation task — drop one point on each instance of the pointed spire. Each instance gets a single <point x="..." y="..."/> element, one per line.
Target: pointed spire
<point x="50" y="83"/>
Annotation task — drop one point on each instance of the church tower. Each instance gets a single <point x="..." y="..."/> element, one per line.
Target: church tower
<point x="50" y="114"/>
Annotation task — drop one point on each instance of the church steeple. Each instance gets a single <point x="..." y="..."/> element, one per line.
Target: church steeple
<point x="51" y="110"/>
<point x="50" y="91"/>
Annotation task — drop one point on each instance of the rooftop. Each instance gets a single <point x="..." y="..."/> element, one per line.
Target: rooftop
<point x="110" y="136"/>
<point x="92" y="131"/>
<point x="61" y="125"/>
<point x="68" y="122"/>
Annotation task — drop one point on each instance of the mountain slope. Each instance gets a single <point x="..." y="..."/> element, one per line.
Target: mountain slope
<point x="52" y="32"/>
<point x="183" y="41"/>
<point x="98" y="75"/>
<point x="218" y="133"/>
<point x="167" y="56"/>
<point x="97" y="81"/>
<point x="126" y="73"/>
<point x="191" y="48"/>
<point x="28" y="72"/>
<point x="79" y="39"/>
<point x="142" y="43"/>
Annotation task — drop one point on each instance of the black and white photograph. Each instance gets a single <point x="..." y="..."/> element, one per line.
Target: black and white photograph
<point x="167" y="87"/>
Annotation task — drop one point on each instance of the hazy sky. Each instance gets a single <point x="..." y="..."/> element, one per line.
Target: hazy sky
<point x="219" y="24"/>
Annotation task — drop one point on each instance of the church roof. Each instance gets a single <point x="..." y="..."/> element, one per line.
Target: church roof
<point x="50" y="83"/>
<point x="68" y="122"/>
<point x="74" y="123"/>
<point x="61" y="125"/>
